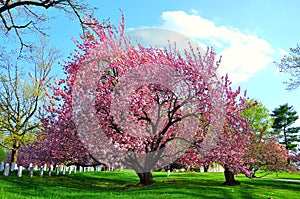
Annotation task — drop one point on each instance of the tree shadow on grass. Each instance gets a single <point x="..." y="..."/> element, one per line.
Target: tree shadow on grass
<point x="59" y="186"/>
<point x="182" y="188"/>
<point x="124" y="185"/>
<point x="96" y="185"/>
<point x="274" y="184"/>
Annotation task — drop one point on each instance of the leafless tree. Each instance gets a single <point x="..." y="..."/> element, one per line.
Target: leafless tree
<point x="21" y="95"/>
<point x="291" y="64"/>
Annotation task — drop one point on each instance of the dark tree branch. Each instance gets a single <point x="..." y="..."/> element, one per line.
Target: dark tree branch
<point x="13" y="12"/>
<point x="46" y="4"/>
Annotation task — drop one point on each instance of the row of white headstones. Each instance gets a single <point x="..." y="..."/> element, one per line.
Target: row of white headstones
<point x="6" y="168"/>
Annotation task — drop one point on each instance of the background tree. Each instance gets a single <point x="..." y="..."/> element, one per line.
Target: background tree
<point x="285" y="116"/>
<point x="3" y="155"/>
<point x="295" y="157"/>
<point x="261" y="120"/>
<point x="58" y="143"/>
<point x="21" y="96"/>
<point x="20" y="17"/>
<point x="265" y="153"/>
<point x="291" y="64"/>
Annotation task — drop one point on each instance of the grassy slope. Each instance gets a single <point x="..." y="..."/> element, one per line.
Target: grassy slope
<point x="122" y="185"/>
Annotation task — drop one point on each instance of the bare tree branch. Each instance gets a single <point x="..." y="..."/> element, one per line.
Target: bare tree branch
<point x="291" y="64"/>
<point x="46" y="4"/>
<point x="26" y="15"/>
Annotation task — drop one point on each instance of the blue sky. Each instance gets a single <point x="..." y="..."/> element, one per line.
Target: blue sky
<point x="250" y="35"/>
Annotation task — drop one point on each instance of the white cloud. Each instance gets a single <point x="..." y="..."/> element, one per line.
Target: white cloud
<point x="159" y="37"/>
<point x="282" y="52"/>
<point x="244" y="53"/>
<point x="194" y="11"/>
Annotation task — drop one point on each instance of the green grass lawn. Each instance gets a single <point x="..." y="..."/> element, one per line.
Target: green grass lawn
<point x="123" y="185"/>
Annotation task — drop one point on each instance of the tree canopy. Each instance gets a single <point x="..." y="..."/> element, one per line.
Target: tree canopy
<point x="260" y="118"/>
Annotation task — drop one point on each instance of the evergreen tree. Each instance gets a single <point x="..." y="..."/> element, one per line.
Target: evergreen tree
<point x="284" y="117"/>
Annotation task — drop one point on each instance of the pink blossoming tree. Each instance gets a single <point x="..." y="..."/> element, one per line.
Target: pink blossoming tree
<point x="232" y="141"/>
<point x="143" y="107"/>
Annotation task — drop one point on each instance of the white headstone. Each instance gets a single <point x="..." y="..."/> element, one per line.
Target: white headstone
<point x="6" y="170"/>
<point x="1" y="166"/>
<point x="36" y="168"/>
<point x="41" y="171"/>
<point x="80" y="168"/>
<point x="57" y="170"/>
<point x="20" y="171"/>
<point x="45" y="167"/>
<point x="31" y="172"/>
<point x="70" y="170"/>
<point x="61" y="168"/>
<point x="100" y="167"/>
<point x="30" y="165"/>
<point x="13" y="166"/>
<point x="64" y="170"/>
<point x="168" y="173"/>
<point x="50" y="170"/>
<point x="75" y="168"/>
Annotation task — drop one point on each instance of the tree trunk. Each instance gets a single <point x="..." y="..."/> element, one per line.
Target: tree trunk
<point x="288" y="159"/>
<point x="229" y="177"/>
<point x="253" y="173"/>
<point x="14" y="152"/>
<point x="146" y="178"/>
<point x="205" y="168"/>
